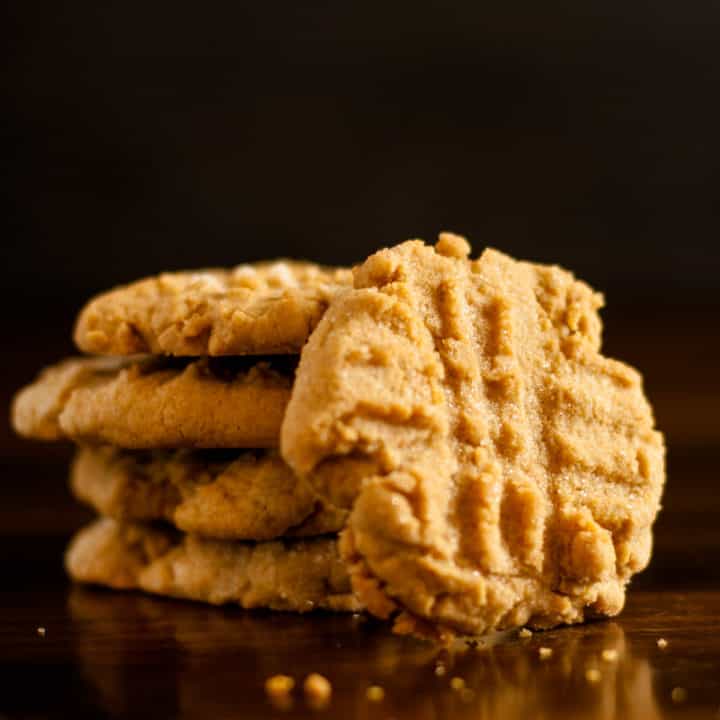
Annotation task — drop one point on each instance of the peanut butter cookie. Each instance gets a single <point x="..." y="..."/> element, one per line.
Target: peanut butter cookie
<point x="157" y="402"/>
<point x="298" y="575"/>
<point x="228" y="495"/>
<point x="253" y="309"/>
<point x="513" y="473"/>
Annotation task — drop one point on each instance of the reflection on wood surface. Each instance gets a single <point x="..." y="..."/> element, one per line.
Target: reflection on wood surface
<point x="214" y="662"/>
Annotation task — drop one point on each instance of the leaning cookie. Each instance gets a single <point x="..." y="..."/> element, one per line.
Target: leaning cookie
<point x="157" y="403"/>
<point x="296" y="575"/>
<point x="513" y="472"/>
<point x="253" y="309"/>
<point x="228" y="495"/>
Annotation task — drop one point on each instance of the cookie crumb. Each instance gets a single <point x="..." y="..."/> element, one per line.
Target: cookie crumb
<point x="525" y="633"/>
<point x="662" y="643"/>
<point x="440" y="670"/>
<point x="42" y="632"/>
<point x="457" y="683"/>
<point x="452" y="245"/>
<point x="279" y="685"/>
<point x="609" y="655"/>
<point x="593" y="676"/>
<point x="678" y="694"/>
<point x="545" y="653"/>
<point x="317" y="690"/>
<point x="375" y="693"/>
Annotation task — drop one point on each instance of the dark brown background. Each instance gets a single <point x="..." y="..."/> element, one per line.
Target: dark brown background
<point x="148" y="136"/>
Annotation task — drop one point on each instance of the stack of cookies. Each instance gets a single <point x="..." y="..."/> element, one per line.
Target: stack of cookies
<point x="454" y="417"/>
<point x="176" y="412"/>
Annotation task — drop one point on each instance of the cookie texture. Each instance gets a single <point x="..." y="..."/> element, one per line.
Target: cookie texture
<point x="229" y="495"/>
<point x="252" y="309"/>
<point x="156" y="402"/>
<point x="296" y="575"/>
<point x="512" y="473"/>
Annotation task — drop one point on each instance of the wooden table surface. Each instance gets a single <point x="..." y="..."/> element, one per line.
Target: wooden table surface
<point x="119" y="655"/>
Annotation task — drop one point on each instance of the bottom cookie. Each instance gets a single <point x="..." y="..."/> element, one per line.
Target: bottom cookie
<point x="298" y="575"/>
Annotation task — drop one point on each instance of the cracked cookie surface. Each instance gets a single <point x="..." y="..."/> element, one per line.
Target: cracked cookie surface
<point x="229" y="495"/>
<point x="252" y="309"/>
<point x="298" y="575"/>
<point x="157" y="403"/>
<point x="511" y="472"/>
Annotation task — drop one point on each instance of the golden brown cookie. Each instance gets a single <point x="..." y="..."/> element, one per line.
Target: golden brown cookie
<point x="515" y="471"/>
<point x="265" y="308"/>
<point x="228" y="495"/>
<point x="156" y="402"/>
<point x="295" y="575"/>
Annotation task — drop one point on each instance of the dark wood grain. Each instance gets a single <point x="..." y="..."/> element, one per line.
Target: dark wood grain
<point x="125" y="655"/>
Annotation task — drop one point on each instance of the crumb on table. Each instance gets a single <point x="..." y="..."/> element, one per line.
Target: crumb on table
<point x="375" y="693"/>
<point x="317" y="689"/>
<point x="609" y="655"/>
<point x="279" y="685"/>
<point x="679" y="694"/>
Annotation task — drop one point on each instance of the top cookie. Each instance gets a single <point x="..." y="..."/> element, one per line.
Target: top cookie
<point x="253" y="309"/>
<point x="513" y="473"/>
